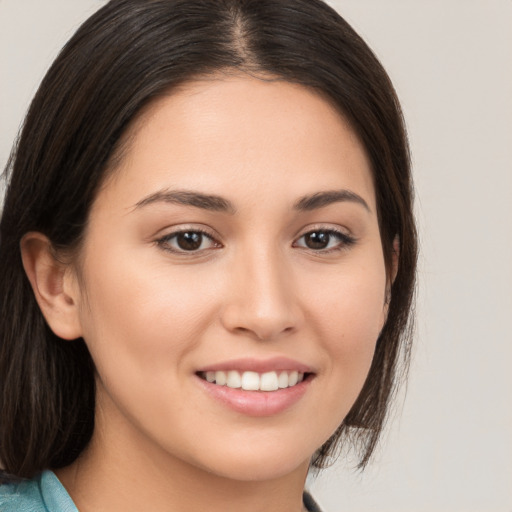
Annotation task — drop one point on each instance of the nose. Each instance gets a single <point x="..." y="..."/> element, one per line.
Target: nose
<point x="261" y="301"/>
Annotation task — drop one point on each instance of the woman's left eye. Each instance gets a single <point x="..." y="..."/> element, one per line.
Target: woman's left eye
<point x="187" y="241"/>
<point x="324" y="240"/>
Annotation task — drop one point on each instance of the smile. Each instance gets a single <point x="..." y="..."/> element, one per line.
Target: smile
<point x="254" y="381"/>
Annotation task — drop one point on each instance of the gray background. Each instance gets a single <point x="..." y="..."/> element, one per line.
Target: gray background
<point x="449" y="446"/>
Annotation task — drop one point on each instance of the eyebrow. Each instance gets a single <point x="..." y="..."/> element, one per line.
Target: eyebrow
<point x="189" y="198"/>
<point x="321" y="199"/>
<point x="219" y="204"/>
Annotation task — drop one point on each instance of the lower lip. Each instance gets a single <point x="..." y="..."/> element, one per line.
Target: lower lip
<point x="257" y="403"/>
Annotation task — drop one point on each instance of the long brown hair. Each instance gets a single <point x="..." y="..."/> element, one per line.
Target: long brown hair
<point x="119" y="60"/>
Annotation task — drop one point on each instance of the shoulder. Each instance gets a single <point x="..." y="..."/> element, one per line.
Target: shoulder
<point x="22" y="496"/>
<point x="44" y="493"/>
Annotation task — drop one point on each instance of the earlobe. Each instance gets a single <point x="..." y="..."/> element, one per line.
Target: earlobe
<point x="393" y="271"/>
<point x="53" y="284"/>
<point x="395" y="257"/>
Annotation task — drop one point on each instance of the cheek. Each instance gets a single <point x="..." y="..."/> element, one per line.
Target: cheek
<point x="349" y="312"/>
<point x="350" y="305"/>
<point x="140" y="315"/>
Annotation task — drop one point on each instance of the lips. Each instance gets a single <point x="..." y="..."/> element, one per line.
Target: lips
<point x="275" y="364"/>
<point x="257" y="387"/>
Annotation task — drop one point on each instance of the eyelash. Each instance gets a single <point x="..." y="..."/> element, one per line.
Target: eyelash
<point x="344" y="241"/>
<point x="164" y="242"/>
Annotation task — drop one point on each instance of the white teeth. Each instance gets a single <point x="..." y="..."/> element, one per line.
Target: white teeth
<point x="234" y="380"/>
<point x="283" y="380"/>
<point x="220" y="378"/>
<point x="250" y="381"/>
<point x="269" y="382"/>
<point x="293" y="378"/>
<point x="253" y="381"/>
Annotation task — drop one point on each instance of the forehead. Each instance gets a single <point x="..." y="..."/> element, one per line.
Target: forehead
<point x="240" y="134"/>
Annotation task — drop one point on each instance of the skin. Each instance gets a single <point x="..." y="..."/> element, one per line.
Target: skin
<point x="152" y="316"/>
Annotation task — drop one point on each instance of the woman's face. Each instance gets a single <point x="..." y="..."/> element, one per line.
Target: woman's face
<point x="237" y="241"/>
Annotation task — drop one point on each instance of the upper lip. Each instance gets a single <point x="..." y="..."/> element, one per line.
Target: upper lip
<point x="259" y="365"/>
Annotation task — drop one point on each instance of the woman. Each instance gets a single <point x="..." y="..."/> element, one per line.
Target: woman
<point x="210" y="256"/>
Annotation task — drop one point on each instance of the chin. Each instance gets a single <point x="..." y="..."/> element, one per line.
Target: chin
<point x="260" y="464"/>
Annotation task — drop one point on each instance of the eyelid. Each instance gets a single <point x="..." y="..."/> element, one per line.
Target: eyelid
<point x="346" y="239"/>
<point x="163" y="239"/>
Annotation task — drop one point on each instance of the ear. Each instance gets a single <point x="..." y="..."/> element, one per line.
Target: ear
<point x="395" y="257"/>
<point x="54" y="285"/>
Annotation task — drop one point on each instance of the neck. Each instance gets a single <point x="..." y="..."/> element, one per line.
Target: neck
<point x="108" y="476"/>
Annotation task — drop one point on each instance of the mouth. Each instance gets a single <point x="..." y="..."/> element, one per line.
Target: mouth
<point x="255" y="381"/>
<point x="256" y="387"/>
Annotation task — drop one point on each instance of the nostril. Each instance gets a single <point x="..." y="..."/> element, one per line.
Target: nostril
<point x="261" y="314"/>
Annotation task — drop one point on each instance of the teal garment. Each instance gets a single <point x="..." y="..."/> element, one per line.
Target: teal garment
<point x="45" y="493"/>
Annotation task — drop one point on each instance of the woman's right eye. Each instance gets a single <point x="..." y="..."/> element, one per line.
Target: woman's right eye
<point x="188" y="241"/>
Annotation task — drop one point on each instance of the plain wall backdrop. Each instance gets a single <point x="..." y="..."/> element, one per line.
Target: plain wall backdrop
<point x="449" y="445"/>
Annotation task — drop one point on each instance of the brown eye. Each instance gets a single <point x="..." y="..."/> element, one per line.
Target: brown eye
<point x="187" y="241"/>
<point x="317" y="240"/>
<point x="325" y="240"/>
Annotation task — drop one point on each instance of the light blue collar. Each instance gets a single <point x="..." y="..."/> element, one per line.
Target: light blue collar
<point x="53" y="494"/>
<point x="44" y="493"/>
